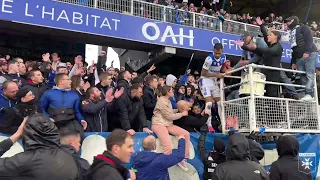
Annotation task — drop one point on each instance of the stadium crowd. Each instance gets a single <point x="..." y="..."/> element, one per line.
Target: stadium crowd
<point x="223" y="12"/>
<point x="50" y="104"/>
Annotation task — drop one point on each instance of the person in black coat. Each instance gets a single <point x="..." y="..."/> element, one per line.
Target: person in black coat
<point x="71" y="143"/>
<point x="210" y="159"/>
<point x="128" y="113"/>
<point x="42" y="158"/>
<point x="288" y="166"/>
<point x="108" y="166"/>
<point x="14" y="116"/>
<point x="191" y="123"/>
<point x="124" y="81"/>
<point x="105" y="83"/>
<point x="239" y="164"/>
<point x="149" y="96"/>
<point x="95" y="109"/>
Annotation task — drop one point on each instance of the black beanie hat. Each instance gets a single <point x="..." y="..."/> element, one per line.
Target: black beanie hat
<point x="22" y="93"/>
<point x="219" y="145"/>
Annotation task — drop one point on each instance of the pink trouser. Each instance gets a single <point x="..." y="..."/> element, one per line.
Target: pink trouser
<point x="163" y="134"/>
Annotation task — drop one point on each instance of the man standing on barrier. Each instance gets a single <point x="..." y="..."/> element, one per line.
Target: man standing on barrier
<point x="304" y="54"/>
<point x="210" y="74"/>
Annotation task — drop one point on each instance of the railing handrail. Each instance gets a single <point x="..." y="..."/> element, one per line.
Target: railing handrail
<point x="205" y="15"/>
<point x="275" y="68"/>
<point x="266" y="82"/>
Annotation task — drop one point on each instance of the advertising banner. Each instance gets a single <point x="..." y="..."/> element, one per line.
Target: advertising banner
<point x="95" y="143"/>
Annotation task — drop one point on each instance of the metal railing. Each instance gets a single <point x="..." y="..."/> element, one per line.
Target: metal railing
<point x="272" y="114"/>
<point x="174" y="15"/>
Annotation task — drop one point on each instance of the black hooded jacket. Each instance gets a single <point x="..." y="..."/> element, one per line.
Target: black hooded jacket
<point x="256" y="151"/>
<point x="107" y="167"/>
<point x="14" y="116"/>
<point x="211" y="159"/>
<point x="83" y="165"/>
<point x="238" y="165"/>
<point x="43" y="158"/>
<point x="288" y="166"/>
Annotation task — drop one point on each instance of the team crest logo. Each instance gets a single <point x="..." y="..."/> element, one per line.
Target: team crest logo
<point x="307" y="163"/>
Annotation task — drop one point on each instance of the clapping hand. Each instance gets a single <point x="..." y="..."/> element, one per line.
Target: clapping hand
<point x="109" y="97"/>
<point x="118" y="93"/>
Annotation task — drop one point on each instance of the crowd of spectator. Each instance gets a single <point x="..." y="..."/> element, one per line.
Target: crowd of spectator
<point x="213" y="8"/>
<point x="50" y="104"/>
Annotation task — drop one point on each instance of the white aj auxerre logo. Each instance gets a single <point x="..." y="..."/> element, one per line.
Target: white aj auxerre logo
<point x="177" y="39"/>
<point x="308" y="161"/>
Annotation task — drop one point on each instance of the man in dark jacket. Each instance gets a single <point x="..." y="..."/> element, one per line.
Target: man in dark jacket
<point x="108" y="166"/>
<point x="42" y="157"/>
<point x="210" y="159"/>
<point x="150" y="97"/>
<point x="105" y="83"/>
<point x="8" y="96"/>
<point x="256" y="150"/>
<point x="124" y="81"/>
<point x="129" y="112"/>
<point x="288" y="166"/>
<point x="304" y="54"/>
<point x="96" y="109"/>
<point x="14" y="116"/>
<point x="190" y="123"/>
<point x="63" y="105"/>
<point x="13" y="73"/>
<point x="238" y="164"/>
<point x="71" y="143"/>
<point x="36" y="85"/>
<point x="154" y="166"/>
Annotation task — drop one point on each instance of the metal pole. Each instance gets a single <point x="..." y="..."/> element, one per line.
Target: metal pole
<point x="252" y="109"/>
<point x="222" y="115"/>
<point x="316" y="100"/>
<point x="131" y="7"/>
<point x="95" y="3"/>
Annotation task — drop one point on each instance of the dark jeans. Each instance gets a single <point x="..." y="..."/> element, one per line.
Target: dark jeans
<point x="274" y="76"/>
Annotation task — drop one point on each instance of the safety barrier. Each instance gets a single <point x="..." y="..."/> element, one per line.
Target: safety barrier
<point x="94" y="143"/>
<point x="269" y="114"/>
<point x="175" y="15"/>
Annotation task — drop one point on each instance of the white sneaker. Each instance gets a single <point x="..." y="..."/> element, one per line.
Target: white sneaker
<point x="307" y="97"/>
<point x="183" y="165"/>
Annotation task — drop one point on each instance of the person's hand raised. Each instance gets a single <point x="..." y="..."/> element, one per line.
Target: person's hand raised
<point x="239" y="43"/>
<point x="153" y="67"/>
<point x="109" y="97"/>
<point x="259" y="21"/>
<point x="118" y="93"/>
<point x="46" y="57"/>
